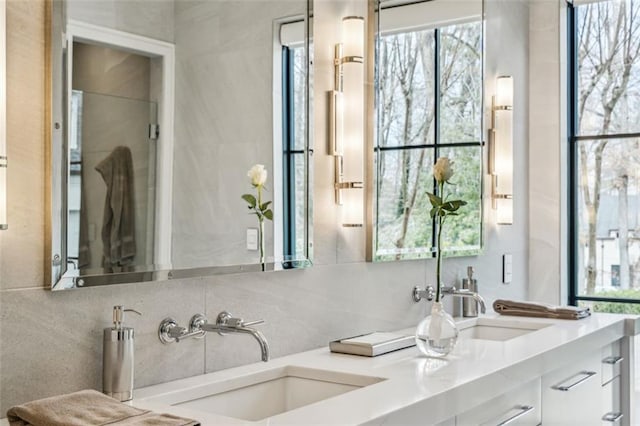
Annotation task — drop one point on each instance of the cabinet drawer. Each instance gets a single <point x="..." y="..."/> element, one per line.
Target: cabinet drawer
<point x="519" y="407"/>
<point x="572" y="395"/>
<point x="611" y="361"/>
<point x="611" y="412"/>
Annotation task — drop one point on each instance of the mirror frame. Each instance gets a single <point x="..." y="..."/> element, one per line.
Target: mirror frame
<point x="63" y="279"/>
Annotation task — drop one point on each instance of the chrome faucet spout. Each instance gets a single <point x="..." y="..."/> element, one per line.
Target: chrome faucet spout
<point x="170" y="332"/>
<point x="466" y="293"/>
<point x="429" y="293"/>
<point x="264" y="346"/>
<point x="473" y="295"/>
<point x="224" y="329"/>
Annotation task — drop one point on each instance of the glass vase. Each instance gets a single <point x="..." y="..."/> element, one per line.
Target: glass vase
<point x="437" y="334"/>
<point x="262" y="242"/>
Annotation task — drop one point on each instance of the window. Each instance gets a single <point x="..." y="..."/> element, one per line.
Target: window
<point x="604" y="44"/>
<point x="429" y="106"/>
<point x="294" y="151"/>
<point x="292" y="52"/>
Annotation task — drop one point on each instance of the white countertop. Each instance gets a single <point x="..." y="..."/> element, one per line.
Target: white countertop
<point x="476" y="371"/>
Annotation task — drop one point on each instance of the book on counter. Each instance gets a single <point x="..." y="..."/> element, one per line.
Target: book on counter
<point x="372" y="344"/>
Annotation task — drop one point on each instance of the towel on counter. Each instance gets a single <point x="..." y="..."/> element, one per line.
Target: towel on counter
<point x="541" y="310"/>
<point x="118" y="226"/>
<point x="88" y="408"/>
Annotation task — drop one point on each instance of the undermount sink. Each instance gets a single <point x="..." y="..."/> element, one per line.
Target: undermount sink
<point x="497" y="329"/>
<point x="268" y="393"/>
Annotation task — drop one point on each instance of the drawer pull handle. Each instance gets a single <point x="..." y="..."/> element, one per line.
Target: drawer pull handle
<point x="522" y="410"/>
<point x="612" y="417"/>
<point x="585" y="376"/>
<point x="612" y="360"/>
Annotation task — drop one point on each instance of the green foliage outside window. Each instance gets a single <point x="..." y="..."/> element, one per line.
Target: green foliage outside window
<point x="617" y="307"/>
<point x="410" y="116"/>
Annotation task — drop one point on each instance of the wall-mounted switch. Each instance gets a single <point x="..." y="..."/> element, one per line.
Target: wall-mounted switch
<point x="252" y="238"/>
<point x="507" y="268"/>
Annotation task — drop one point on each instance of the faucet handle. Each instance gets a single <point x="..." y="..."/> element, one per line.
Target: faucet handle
<point x="228" y="320"/>
<point x="234" y="322"/>
<point x="429" y="293"/>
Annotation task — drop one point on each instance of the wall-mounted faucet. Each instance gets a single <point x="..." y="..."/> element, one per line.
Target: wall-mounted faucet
<point x="169" y="330"/>
<point x="429" y="293"/>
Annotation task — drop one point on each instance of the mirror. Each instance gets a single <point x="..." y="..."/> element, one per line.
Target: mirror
<point x="429" y="105"/>
<point x="160" y="110"/>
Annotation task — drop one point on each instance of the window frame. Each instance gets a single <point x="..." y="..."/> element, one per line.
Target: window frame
<point x="573" y="139"/>
<point x="290" y="154"/>
<point x="436" y="146"/>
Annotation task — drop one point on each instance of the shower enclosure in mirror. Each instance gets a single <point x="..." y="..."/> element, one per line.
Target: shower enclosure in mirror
<point x="160" y="110"/>
<point x="429" y="105"/>
<point x="110" y="187"/>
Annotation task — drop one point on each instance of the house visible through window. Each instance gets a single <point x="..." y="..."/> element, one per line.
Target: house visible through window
<point x="604" y="44"/>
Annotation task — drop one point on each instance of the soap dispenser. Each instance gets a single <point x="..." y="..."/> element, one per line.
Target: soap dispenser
<point x="469" y="305"/>
<point x="117" y="357"/>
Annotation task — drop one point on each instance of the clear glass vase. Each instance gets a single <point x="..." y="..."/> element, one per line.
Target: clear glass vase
<point x="437" y="334"/>
<point x="262" y="243"/>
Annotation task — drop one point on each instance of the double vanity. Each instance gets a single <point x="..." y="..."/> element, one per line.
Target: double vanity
<point x="504" y="370"/>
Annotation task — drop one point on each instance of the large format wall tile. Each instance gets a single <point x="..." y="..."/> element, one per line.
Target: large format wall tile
<point x="52" y="341"/>
<point x="306" y="309"/>
<point x="125" y="16"/>
<point x="22" y="265"/>
<point x="546" y="191"/>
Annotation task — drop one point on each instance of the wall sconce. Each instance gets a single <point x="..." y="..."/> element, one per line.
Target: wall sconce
<point x="345" y="102"/>
<point x="3" y="116"/>
<point x="501" y="150"/>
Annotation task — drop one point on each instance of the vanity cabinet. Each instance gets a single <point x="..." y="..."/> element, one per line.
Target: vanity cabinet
<point x="521" y="406"/>
<point x="586" y="391"/>
<point x="581" y="392"/>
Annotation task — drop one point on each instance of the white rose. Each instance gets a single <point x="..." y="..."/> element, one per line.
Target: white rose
<point x="258" y="175"/>
<point x="443" y="170"/>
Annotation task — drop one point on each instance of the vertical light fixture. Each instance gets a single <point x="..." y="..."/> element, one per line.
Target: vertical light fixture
<point x="501" y="151"/>
<point x="3" y="115"/>
<point x="345" y="104"/>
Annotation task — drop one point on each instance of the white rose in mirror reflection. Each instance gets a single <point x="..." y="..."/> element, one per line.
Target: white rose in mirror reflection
<point x="443" y="169"/>
<point x="258" y="175"/>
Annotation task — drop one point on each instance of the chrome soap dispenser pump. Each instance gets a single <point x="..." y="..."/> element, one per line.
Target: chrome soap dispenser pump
<point x="117" y="357"/>
<point x="470" y="306"/>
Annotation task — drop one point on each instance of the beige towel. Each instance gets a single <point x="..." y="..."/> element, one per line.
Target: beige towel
<point x="88" y="408"/>
<point x="118" y="227"/>
<point x="542" y="310"/>
<point x="84" y="247"/>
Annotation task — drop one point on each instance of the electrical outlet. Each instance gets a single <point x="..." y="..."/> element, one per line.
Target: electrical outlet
<point x="252" y="239"/>
<point x="507" y="268"/>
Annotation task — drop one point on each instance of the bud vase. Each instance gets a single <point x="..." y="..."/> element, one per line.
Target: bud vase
<point x="262" y="243"/>
<point x="437" y="334"/>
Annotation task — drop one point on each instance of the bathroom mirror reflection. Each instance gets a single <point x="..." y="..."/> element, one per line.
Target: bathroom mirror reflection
<point x="164" y="107"/>
<point x="429" y="105"/>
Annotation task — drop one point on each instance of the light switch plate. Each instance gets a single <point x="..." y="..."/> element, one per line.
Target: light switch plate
<point x="252" y="238"/>
<point x="507" y="268"/>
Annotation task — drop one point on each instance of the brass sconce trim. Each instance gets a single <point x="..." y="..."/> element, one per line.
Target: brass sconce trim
<point x="336" y="119"/>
